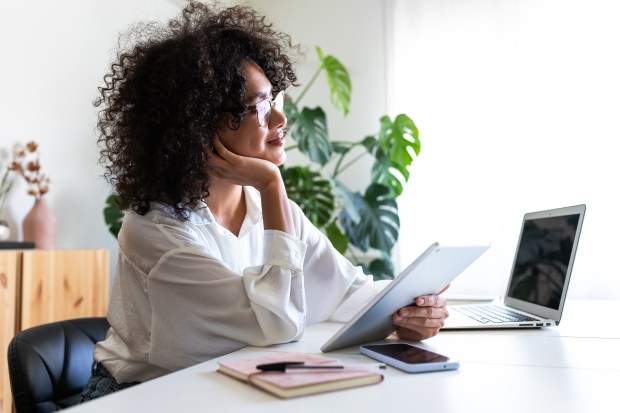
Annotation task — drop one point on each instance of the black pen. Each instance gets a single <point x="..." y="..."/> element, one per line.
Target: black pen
<point x="297" y="366"/>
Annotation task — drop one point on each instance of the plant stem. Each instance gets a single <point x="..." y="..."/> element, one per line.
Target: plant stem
<point x="346" y="143"/>
<point x="291" y="148"/>
<point x="337" y="167"/>
<point x="339" y="170"/>
<point x="312" y="80"/>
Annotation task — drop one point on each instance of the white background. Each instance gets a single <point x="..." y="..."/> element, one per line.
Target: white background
<point x="516" y="102"/>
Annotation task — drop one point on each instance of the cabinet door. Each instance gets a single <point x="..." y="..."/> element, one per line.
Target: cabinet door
<point x="9" y="287"/>
<point x="59" y="285"/>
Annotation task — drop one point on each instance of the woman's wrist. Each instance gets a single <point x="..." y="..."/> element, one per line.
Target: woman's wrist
<point x="271" y="183"/>
<point x="276" y="208"/>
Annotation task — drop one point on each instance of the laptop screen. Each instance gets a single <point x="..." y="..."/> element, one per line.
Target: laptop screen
<point x="542" y="260"/>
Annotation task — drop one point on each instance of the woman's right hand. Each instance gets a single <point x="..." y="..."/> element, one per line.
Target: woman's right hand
<point x="243" y="170"/>
<point x="262" y="175"/>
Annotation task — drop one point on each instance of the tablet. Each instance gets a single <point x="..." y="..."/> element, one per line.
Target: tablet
<point x="428" y="274"/>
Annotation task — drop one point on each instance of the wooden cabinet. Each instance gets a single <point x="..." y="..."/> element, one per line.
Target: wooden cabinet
<point x="38" y="287"/>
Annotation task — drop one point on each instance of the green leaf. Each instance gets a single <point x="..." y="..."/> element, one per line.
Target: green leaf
<point x="379" y="223"/>
<point x="311" y="192"/>
<point x="370" y="143"/>
<point x="405" y="139"/>
<point x="381" y="269"/>
<point x="349" y="201"/>
<point x="342" y="147"/>
<point x="310" y="132"/>
<point x="338" y="81"/>
<point x="290" y="110"/>
<point x="383" y="172"/>
<point x="337" y="238"/>
<point x="397" y="144"/>
<point x="113" y="215"/>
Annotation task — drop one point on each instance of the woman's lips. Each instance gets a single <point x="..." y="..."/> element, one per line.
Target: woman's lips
<point x="277" y="142"/>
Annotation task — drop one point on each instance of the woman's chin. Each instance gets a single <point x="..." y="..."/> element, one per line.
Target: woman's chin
<point x="279" y="160"/>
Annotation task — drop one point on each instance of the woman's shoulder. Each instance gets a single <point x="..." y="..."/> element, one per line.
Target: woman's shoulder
<point x="160" y="225"/>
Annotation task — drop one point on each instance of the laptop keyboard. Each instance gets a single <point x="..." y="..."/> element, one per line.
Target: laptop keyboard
<point x="492" y="314"/>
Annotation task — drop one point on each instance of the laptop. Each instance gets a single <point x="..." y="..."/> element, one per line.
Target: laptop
<point x="539" y="279"/>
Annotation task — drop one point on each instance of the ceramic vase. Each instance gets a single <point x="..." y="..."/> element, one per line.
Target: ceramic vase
<point x="39" y="225"/>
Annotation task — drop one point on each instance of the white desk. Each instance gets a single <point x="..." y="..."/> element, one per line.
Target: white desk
<point x="569" y="368"/>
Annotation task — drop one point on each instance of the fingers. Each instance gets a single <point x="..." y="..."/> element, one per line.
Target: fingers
<point x="219" y="150"/>
<point x="224" y="160"/>
<point x="420" y="316"/>
<point x="430" y="301"/>
<point x="424" y="320"/>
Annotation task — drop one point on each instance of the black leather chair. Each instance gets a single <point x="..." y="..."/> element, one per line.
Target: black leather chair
<point x="50" y="364"/>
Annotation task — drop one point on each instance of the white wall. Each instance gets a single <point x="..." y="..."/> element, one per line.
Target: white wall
<point x="517" y="106"/>
<point x="54" y="56"/>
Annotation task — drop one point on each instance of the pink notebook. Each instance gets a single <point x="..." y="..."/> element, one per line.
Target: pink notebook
<point x="299" y="383"/>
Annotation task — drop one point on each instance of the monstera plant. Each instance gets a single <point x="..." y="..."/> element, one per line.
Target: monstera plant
<point x="362" y="226"/>
<point x="359" y="225"/>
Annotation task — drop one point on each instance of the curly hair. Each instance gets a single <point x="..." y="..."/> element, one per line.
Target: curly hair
<point x="167" y="92"/>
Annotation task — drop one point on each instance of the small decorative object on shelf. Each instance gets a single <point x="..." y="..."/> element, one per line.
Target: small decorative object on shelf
<point x="5" y="187"/>
<point x="4" y="230"/>
<point x="39" y="225"/>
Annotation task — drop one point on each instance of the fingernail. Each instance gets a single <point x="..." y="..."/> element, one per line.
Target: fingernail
<point x="420" y="301"/>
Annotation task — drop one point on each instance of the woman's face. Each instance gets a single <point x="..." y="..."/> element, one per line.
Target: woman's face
<point x="251" y="139"/>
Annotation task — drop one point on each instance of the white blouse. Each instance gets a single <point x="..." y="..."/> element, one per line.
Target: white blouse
<point x="189" y="291"/>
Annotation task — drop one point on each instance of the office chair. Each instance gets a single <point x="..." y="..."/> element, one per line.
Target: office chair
<point x="50" y="364"/>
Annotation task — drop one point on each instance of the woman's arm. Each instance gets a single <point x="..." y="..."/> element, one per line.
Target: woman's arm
<point x="337" y="290"/>
<point x="260" y="174"/>
<point x="201" y="309"/>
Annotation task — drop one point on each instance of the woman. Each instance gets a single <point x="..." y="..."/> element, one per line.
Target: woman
<point x="212" y="254"/>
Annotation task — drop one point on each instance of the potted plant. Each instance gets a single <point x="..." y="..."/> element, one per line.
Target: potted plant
<point x="39" y="225"/>
<point x="359" y="224"/>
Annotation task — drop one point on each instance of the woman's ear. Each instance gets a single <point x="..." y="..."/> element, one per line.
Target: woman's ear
<point x="226" y="120"/>
<point x="232" y="123"/>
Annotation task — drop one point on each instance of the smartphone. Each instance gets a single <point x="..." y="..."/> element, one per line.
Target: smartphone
<point x="409" y="358"/>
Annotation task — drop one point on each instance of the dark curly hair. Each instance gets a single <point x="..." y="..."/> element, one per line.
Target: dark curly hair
<point x="167" y="92"/>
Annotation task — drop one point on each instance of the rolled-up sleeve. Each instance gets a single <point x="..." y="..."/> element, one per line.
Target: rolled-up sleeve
<point x="195" y="298"/>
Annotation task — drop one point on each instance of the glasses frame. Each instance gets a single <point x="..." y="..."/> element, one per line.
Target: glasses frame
<point x="264" y="107"/>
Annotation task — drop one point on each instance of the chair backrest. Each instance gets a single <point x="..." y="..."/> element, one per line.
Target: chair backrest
<point x="50" y="364"/>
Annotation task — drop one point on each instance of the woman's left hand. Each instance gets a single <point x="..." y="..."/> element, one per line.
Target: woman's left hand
<point x="422" y="321"/>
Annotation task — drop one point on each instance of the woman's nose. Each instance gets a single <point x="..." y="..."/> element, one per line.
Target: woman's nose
<point x="277" y="119"/>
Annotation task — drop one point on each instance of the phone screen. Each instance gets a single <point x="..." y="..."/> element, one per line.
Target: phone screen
<point x="408" y="354"/>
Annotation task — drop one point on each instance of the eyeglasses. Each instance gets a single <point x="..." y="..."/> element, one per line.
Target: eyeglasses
<point x="263" y="108"/>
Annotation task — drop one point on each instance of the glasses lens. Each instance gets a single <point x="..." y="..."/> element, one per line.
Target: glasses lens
<point x="279" y="101"/>
<point x="262" y="111"/>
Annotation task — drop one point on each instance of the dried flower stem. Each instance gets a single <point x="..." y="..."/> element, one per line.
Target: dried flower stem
<point x="26" y="163"/>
